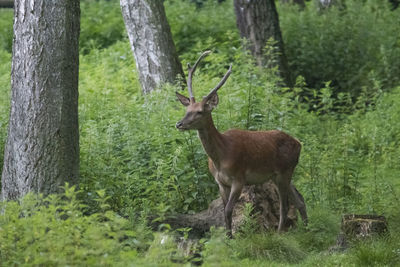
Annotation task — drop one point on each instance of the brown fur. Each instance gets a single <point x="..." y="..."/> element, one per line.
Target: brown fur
<point x="259" y="152"/>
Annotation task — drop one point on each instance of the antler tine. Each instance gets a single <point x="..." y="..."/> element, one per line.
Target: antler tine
<point x="222" y="82"/>
<point x="191" y="72"/>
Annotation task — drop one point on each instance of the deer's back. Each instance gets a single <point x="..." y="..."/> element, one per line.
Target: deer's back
<point x="262" y="151"/>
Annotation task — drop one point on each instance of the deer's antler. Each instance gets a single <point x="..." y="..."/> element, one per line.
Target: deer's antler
<point x="222" y="82"/>
<point x="191" y="72"/>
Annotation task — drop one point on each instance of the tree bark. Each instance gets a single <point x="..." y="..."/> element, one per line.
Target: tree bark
<point x="395" y="4"/>
<point x="258" y="21"/>
<point x="322" y="4"/>
<point x="42" y="149"/>
<point x="151" y="40"/>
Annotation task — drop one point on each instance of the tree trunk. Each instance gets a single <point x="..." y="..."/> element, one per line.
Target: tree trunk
<point x="7" y="3"/>
<point x="395" y="4"/>
<point x="258" y="22"/>
<point x="323" y="4"/>
<point x="151" y="40"/>
<point x="42" y="149"/>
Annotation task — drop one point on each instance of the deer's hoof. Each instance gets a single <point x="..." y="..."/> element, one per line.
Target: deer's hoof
<point x="229" y="234"/>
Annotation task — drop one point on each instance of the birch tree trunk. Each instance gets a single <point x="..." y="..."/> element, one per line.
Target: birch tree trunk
<point x="258" y="21"/>
<point x="151" y="40"/>
<point x="42" y="149"/>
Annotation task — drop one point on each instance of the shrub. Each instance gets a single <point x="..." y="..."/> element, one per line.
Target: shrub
<point x="55" y="231"/>
<point x="101" y="24"/>
<point x="194" y="29"/>
<point x="352" y="46"/>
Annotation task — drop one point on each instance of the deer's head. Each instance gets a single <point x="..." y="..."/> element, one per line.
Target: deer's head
<point x="198" y="113"/>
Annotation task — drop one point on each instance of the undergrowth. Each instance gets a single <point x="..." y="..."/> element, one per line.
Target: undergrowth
<point x="54" y="231"/>
<point x="344" y="110"/>
<point x="349" y="46"/>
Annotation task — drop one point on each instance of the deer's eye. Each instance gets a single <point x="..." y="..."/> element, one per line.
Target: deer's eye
<point x="199" y="112"/>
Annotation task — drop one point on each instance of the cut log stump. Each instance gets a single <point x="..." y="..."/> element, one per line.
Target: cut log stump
<point x="360" y="226"/>
<point x="357" y="227"/>
<point x="264" y="199"/>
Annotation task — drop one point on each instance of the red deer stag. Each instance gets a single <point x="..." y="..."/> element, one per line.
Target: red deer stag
<point x="237" y="158"/>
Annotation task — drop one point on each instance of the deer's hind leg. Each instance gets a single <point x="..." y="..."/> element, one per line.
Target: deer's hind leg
<point x="283" y="184"/>
<point x="299" y="203"/>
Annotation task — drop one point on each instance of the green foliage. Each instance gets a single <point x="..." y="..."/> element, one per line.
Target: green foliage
<point x="352" y="46"/>
<point x="101" y="24"/>
<point x="249" y="225"/>
<point x="6" y="29"/>
<point x="251" y="249"/>
<point x="321" y="231"/>
<point x="55" y="231"/>
<point x="268" y="246"/>
<point x="147" y="159"/>
<point x="381" y="252"/>
<point x="194" y="29"/>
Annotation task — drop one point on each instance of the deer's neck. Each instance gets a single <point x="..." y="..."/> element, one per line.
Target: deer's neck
<point x="213" y="141"/>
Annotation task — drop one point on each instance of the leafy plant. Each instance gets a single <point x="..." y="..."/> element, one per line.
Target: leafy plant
<point x="53" y="230"/>
<point x="352" y="46"/>
<point x="101" y="25"/>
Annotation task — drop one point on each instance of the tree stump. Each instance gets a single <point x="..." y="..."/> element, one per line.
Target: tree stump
<point x="357" y="227"/>
<point x="360" y="226"/>
<point x="264" y="199"/>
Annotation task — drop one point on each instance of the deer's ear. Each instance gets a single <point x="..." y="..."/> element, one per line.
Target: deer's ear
<point x="183" y="99"/>
<point x="211" y="101"/>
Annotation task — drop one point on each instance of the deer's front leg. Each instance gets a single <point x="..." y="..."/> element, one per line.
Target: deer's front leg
<point x="236" y="190"/>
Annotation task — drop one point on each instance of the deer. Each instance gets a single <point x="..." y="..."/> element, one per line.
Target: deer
<point x="239" y="157"/>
